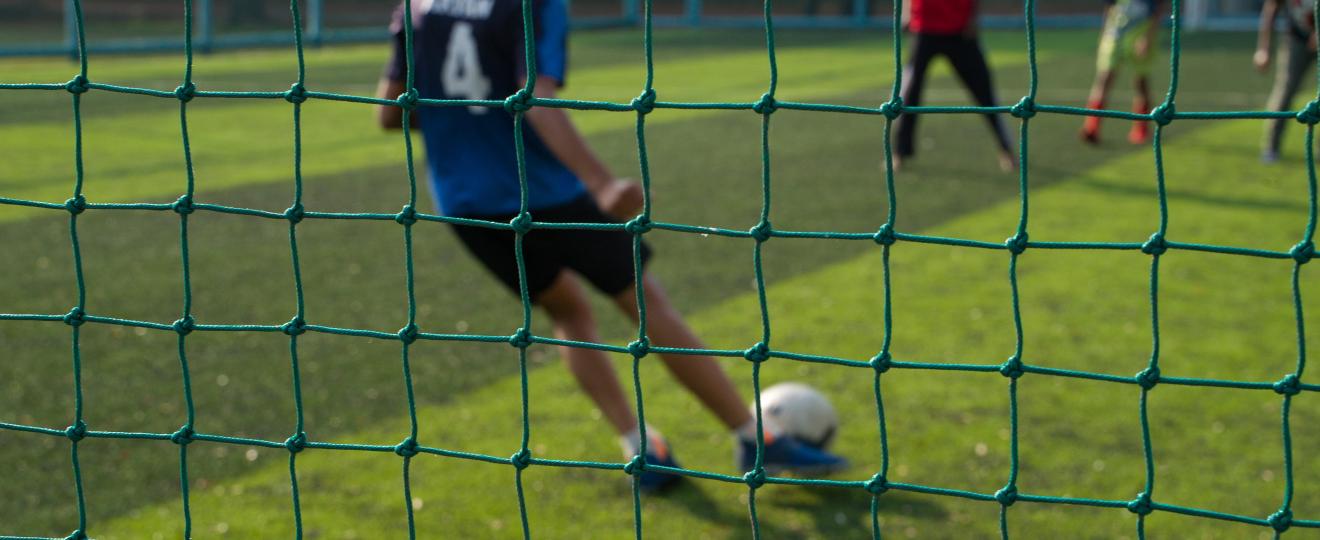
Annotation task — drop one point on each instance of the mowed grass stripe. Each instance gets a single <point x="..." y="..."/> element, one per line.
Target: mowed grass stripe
<point x="826" y="177"/>
<point x="138" y="157"/>
<point x="1218" y="449"/>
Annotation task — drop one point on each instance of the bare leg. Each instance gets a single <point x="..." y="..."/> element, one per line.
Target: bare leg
<point x="1100" y="88"/>
<point x="566" y="303"/>
<point x="702" y="375"/>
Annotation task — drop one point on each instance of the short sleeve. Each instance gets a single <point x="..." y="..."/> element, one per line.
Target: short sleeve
<point x="550" y="20"/>
<point x="397" y="68"/>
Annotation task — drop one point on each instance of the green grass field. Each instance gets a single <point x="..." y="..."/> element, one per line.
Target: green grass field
<point x="1221" y="316"/>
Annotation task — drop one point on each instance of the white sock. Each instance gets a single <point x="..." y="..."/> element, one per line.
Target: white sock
<point x="631" y="442"/>
<point x="747" y="431"/>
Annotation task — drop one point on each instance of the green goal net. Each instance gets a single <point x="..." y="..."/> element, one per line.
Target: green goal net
<point x="889" y="236"/>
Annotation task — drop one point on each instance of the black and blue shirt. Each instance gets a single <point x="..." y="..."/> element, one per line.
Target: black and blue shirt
<point x="473" y="49"/>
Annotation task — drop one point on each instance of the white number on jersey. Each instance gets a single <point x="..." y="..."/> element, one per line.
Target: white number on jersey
<point x="462" y="77"/>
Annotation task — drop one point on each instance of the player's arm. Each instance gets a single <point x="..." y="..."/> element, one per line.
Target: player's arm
<point x="395" y="78"/>
<point x="390" y="116"/>
<point x="619" y="198"/>
<point x="1265" y="34"/>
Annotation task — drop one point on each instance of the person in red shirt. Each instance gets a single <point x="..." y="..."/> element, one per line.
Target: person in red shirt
<point x="948" y="28"/>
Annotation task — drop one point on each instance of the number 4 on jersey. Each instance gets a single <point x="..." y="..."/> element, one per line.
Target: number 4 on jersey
<point x="462" y="76"/>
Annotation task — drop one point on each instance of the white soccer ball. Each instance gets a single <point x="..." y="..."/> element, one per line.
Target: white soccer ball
<point x="799" y="411"/>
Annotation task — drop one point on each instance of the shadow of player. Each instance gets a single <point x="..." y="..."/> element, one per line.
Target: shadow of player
<point x="831" y="511"/>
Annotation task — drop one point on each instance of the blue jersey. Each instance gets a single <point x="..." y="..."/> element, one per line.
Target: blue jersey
<point x="473" y="49"/>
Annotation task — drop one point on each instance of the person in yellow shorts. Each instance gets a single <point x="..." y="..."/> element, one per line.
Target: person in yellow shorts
<point x="1125" y="42"/>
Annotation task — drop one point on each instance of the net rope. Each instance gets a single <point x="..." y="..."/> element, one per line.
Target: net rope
<point x="1142" y="504"/>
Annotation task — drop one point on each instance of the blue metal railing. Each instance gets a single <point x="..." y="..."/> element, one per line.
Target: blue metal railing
<point x="694" y="14"/>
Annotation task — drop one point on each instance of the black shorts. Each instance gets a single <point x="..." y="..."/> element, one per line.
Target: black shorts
<point x="604" y="258"/>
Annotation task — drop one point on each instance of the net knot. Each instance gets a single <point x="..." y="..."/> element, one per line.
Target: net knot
<point x="1148" y="378"/>
<point x="635" y="466"/>
<point x="755" y="478"/>
<point x="882" y="362"/>
<point x="407" y="216"/>
<point x="76" y="205"/>
<point x="185" y="92"/>
<point x="521" y="338"/>
<point x="296" y="443"/>
<point x="296" y="326"/>
<point x="185" y="325"/>
<point x="520" y="101"/>
<point x="408" y="334"/>
<point x="765" y="105"/>
<point x="761" y="232"/>
<point x="522" y="223"/>
<point x="183" y="206"/>
<point x="1007" y="495"/>
<point x="183" y="436"/>
<point x="1012" y="368"/>
<point x="75" y="317"/>
<point x="885" y="236"/>
<point x="1310" y="114"/>
<point x="644" y="103"/>
<point x="757" y="353"/>
<point x="1163" y="114"/>
<point x="295" y="213"/>
<point x="1289" y="385"/>
<point x="638" y="225"/>
<point x="521" y="459"/>
<point x="1025" y="108"/>
<point x="1303" y="252"/>
<point x="892" y="108"/>
<point x="1141" y="505"/>
<point x="877" y="484"/>
<point x="407" y="448"/>
<point x="640" y="347"/>
<point x="77" y="85"/>
<point x="407" y="100"/>
<point x="296" y="94"/>
<point x="1017" y="243"/>
<point x="1155" y="245"/>
<point x="76" y="535"/>
<point x="1281" y="520"/>
<point x="76" y="432"/>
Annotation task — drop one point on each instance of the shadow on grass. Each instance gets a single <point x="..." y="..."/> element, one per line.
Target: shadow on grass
<point x="829" y="509"/>
<point x="351" y="271"/>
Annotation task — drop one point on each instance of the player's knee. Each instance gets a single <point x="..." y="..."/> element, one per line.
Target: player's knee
<point x="567" y="305"/>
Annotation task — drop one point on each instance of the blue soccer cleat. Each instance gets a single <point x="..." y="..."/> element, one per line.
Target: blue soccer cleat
<point x="657" y="453"/>
<point x="785" y="454"/>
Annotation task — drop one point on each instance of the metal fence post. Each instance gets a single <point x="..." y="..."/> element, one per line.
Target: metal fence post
<point x="315" y="9"/>
<point x="859" y="12"/>
<point x="630" y="13"/>
<point x="205" y="31"/>
<point x="70" y="29"/>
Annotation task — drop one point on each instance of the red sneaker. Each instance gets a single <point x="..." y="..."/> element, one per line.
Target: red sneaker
<point x="1139" y="134"/>
<point x="1090" y="135"/>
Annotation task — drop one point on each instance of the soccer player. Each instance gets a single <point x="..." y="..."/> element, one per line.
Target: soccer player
<point x="1296" y="57"/>
<point x="473" y="49"/>
<point x="947" y="28"/>
<point x="1128" y="34"/>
